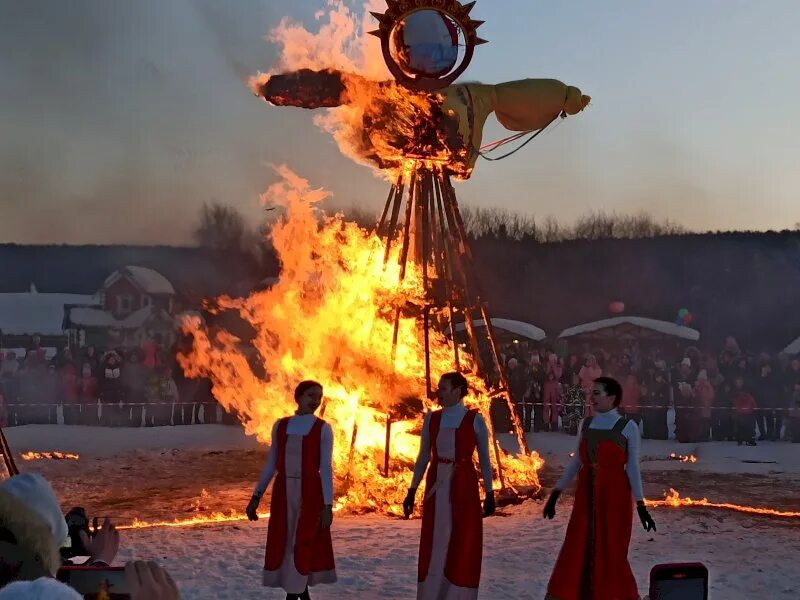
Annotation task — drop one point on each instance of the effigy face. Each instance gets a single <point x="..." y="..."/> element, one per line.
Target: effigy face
<point x="425" y="43"/>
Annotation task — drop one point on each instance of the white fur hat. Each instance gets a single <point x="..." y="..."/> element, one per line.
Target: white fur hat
<point x="44" y="588"/>
<point x="30" y="510"/>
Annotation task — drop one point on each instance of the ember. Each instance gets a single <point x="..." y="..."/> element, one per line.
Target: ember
<point x="48" y="456"/>
<point x="690" y="459"/>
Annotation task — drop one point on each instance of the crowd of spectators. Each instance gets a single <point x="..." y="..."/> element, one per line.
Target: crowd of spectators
<point x="728" y="395"/>
<point x="115" y="387"/>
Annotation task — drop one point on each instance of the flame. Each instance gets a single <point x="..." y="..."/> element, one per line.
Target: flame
<point x="690" y="459"/>
<point x="198" y="520"/>
<point x="49" y="456"/>
<point x="331" y="317"/>
<point x="673" y="500"/>
<point x="378" y="122"/>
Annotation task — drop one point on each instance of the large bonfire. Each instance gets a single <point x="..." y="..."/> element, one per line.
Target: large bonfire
<point x="331" y="315"/>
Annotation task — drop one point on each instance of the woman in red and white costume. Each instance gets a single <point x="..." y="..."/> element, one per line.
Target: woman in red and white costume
<point x="299" y="551"/>
<point x="451" y="544"/>
<point x="593" y="562"/>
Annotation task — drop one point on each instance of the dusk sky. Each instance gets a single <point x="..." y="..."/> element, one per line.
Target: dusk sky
<point x="118" y="120"/>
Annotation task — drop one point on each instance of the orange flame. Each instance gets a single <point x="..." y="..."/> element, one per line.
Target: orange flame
<point x="673" y="500"/>
<point x="690" y="459"/>
<point x="196" y="521"/>
<point x="49" y="456"/>
<point x="331" y="317"/>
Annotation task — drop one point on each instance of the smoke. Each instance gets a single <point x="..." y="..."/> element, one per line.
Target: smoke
<point x="120" y="119"/>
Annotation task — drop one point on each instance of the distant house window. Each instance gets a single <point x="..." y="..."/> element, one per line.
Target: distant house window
<point x="146" y="300"/>
<point x="124" y="303"/>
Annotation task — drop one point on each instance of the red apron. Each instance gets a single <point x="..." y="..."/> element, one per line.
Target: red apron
<point x="464" y="552"/>
<point x="593" y="563"/>
<point x="313" y="550"/>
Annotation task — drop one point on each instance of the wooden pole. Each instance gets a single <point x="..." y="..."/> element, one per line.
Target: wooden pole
<point x="8" y="458"/>
<point x="386" y="451"/>
<point x="413" y="193"/>
<point x="398" y="200"/>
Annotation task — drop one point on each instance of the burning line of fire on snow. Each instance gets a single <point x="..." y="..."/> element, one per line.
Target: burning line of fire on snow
<point x="691" y="458"/>
<point x="673" y="499"/>
<point x="55" y="455"/>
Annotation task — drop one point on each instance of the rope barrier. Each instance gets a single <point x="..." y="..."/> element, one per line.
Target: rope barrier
<point x="559" y="403"/>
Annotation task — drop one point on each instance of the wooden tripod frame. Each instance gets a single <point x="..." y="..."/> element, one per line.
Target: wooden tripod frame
<point x="433" y="237"/>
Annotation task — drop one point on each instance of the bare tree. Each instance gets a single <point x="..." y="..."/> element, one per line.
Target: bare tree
<point x="221" y="228"/>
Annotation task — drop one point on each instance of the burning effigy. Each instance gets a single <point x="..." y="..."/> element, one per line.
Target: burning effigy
<point x="371" y="314"/>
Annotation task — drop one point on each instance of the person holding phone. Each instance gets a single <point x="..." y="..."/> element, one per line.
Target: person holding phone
<point x="32" y="528"/>
<point x="593" y="562"/>
<point x="299" y="549"/>
<point x="451" y="544"/>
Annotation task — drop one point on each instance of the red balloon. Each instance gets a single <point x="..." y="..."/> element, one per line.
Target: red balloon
<point x="616" y="307"/>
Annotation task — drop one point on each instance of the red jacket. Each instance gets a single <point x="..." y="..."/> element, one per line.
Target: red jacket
<point x="744" y="403"/>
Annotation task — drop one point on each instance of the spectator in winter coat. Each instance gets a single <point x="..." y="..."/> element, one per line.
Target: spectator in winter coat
<point x="134" y="381"/>
<point x="551" y="392"/>
<point x="631" y="395"/>
<point x="10" y="365"/>
<point x="745" y="409"/>
<point x="70" y="395"/>
<point x="683" y="396"/>
<point x="150" y="351"/>
<point x="655" y="400"/>
<point x="33" y="528"/>
<point x="111" y="390"/>
<point x="518" y="382"/>
<point x="87" y="396"/>
<point x="537" y="373"/>
<point x="769" y="394"/>
<point x="93" y="359"/>
<point x="704" y="400"/>
<point x="722" y="421"/>
<point x="588" y="373"/>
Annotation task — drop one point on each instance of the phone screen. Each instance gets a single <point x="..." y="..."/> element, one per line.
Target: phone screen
<point x="680" y="589"/>
<point x="96" y="583"/>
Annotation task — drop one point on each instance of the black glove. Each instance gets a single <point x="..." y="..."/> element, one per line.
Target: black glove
<point x="645" y="518"/>
<point x="489" y="504"/>
<point x="252" y="508"/>
<point x="550" y="505"/>
<point x="408" y="503"/>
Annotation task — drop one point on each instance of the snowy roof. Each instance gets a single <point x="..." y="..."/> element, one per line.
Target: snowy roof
<point x="641" y="323"/>
<point x="97" y="317"/>
<point x="33" y="313"/>
<point x="519" y="327"/>
<point x="148" y="280"/>
<point x="793" y="348"/>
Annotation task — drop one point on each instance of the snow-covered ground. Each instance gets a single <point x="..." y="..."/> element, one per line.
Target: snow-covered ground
<point x="162" y="472"/>
<point x="377" y="556"/>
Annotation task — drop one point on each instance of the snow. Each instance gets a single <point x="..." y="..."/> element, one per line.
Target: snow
<point x="376" y="557"/>
<point x="159" y="472"/>
<point x="793" y="348"/>
<point x="519" y="327"/>
<point x="96" y="317"/>
<point x="107" y="442"/>
<point x="148" y="280"/>
<point x="664" y="327"/>
<point x="91" y="317"/>
<point x="33" y="313"/>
